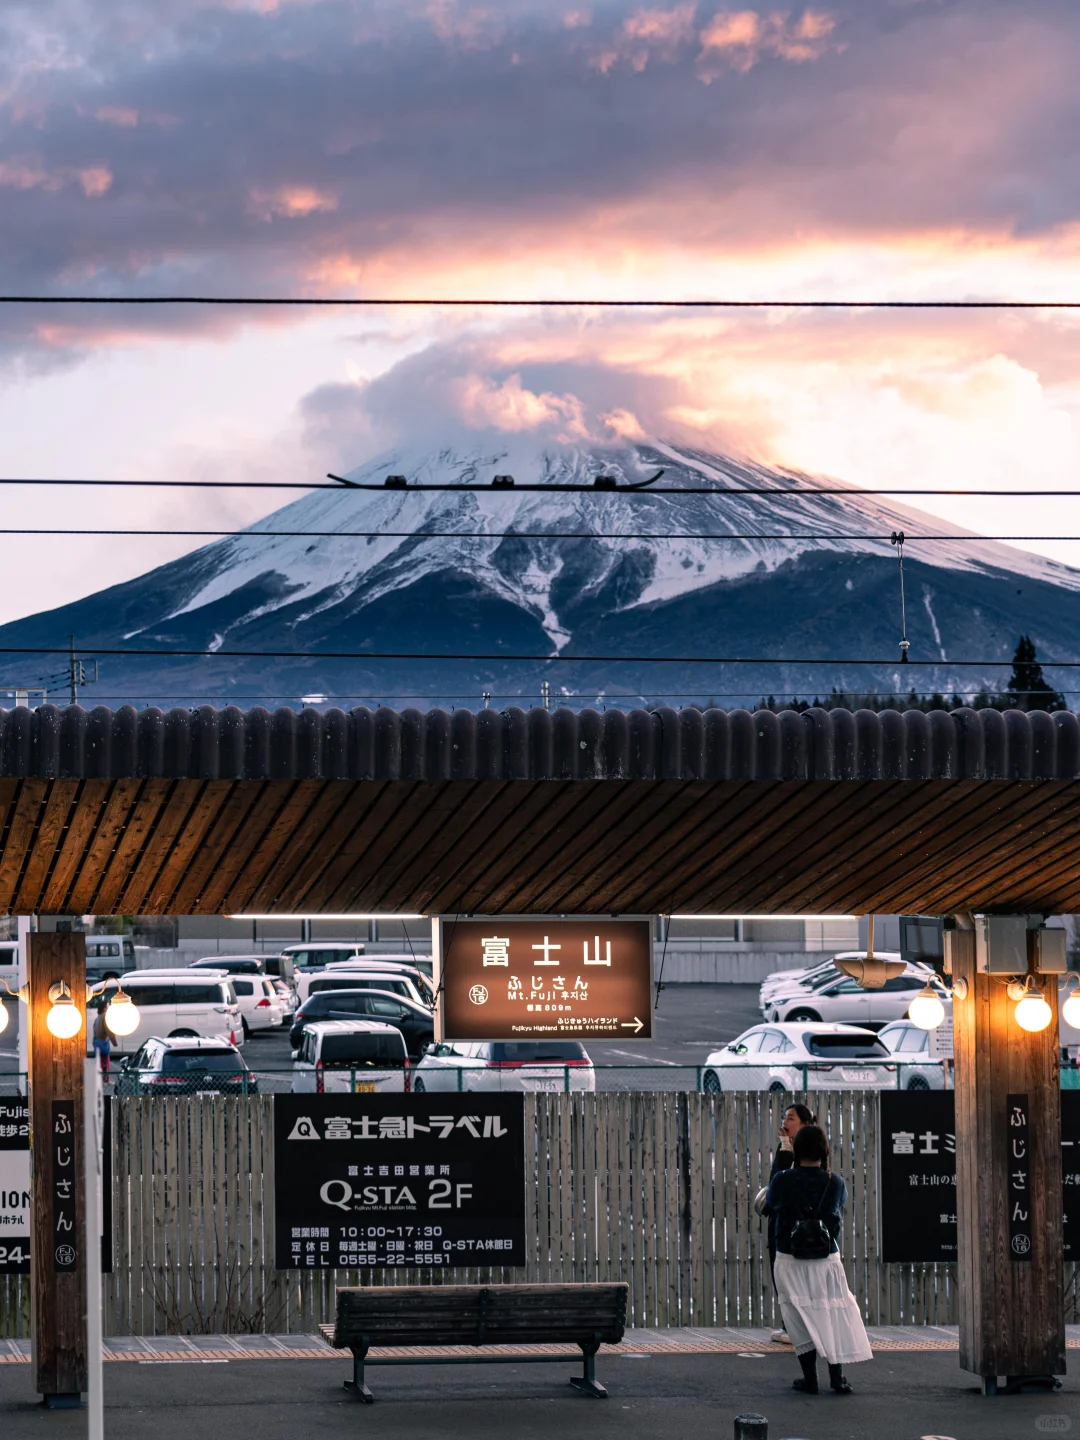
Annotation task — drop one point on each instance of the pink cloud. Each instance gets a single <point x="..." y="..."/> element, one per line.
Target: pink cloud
<point x="647" y="34"/>
<point x="31" y="175"/>
<point x="738" y="39"/>
<point x="468" y="27"/>
<point x="511" y="407"/>
<point x="290" y="202"/>
<point x="120" y="115"/>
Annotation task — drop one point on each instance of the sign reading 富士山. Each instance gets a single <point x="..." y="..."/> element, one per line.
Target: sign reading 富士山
<point x="525" y="979"/>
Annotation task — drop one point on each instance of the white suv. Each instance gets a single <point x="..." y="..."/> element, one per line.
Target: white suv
<point x="556" y="1065"/>
<point x="844" y="999"/>
<point x="351" y="1056"/>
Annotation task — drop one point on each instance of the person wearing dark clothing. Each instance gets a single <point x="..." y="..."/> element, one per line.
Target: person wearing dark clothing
<point x="795" y="1117"/>
<point x="820" y="1313"/>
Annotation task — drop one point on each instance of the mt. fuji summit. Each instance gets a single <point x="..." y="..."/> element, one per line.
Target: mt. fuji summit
<point x="597" y="573"/>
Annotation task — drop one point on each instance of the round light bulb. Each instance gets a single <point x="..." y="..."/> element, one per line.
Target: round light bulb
<point x="3" y="1016"/>
<point x="122" y="1015"/>
<point x="64" y="1020"/>
<point x="1070" y="1011"/>
<point x="926" y="1010"/>
<point x="1032" y="1012"/>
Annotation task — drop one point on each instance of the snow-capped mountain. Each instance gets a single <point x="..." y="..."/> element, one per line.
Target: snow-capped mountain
<point x="503" y="572"/>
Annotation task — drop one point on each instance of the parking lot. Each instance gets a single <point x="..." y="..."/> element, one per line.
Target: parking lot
<point x="691" y="1020"/>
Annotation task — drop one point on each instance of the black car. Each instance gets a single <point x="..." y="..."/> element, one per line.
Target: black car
<point x="185" y="1066"/>
<point x="414" y="1021"/>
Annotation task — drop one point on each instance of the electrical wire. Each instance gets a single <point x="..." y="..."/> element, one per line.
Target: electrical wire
<point x="583" y="302"/>
<point x="250" y="534"/>
<point x="140" y="652"/>
<point x="721" y="492"/>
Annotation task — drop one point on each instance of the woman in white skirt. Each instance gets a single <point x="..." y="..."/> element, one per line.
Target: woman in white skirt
<point x="820" y="1313"/>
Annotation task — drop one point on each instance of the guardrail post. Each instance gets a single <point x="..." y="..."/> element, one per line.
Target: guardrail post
<point x="751" y="1427"/>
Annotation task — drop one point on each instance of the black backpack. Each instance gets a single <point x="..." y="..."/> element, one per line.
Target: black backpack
<point x="810" y="1238"/>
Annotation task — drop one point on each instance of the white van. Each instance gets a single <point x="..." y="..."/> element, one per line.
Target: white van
<point x="178" y="1002"/>
<point x="353" y="1056"/>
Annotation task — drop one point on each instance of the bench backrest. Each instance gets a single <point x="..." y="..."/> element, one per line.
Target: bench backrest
<point x="480" y="1314"/>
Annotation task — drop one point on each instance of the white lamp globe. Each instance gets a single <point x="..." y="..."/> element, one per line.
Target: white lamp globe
<point x="3" y="1016"/>
<point x="64" y="1020"/>
<point x="926" y="1010"/>
<point x="1070" y="1011"/>
<point x="122" y="1015"/>
<point x="1032" y="1012"/>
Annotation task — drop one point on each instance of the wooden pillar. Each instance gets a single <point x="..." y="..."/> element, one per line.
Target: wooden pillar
<point x="57" y="1252"/>
<point x="1008" y="1179"/>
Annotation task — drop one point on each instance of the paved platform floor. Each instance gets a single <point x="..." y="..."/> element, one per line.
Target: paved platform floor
<point x="215" y="1386"/>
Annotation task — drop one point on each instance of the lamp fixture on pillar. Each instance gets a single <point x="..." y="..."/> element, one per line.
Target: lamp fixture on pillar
<point x="1032" y="1012"/>
<point x="1070" y="1010"/>
<point x="21" y="994"/>
<point x="64" y="1018"/>
<point x="122" y="1014"/>
<point x="926" y="1010"/>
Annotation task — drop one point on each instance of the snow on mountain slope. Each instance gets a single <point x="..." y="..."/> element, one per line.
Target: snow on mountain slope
<point x="555" y="579"/>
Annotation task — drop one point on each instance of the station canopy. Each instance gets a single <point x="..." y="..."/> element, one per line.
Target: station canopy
<point x="224" y="811"/>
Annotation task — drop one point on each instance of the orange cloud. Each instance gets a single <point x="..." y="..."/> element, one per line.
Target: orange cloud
<point x="290" y="202"/>
<point x="737" y="39"/>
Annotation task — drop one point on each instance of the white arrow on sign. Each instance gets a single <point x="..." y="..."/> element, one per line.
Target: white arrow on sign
<point x="636" y="1025"/>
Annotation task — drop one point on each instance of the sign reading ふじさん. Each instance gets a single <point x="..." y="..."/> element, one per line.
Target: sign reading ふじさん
<point x="524" y="979"/>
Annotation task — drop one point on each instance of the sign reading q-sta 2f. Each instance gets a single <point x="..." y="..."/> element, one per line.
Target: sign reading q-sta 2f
<point x="530" y="979"/>
<point x="428" y="1180"/>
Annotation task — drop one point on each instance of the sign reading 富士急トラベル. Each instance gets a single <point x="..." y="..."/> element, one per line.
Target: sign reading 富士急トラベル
<point x="384" y="1180"/>
<point x="526" y="979"/>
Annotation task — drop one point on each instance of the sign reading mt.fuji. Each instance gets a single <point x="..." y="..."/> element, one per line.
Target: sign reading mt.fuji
<point x="525" y="979"/>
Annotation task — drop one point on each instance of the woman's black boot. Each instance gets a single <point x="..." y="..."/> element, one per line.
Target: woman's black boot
<point x="838" y="1380"/>
<point x="808" y="1384"/>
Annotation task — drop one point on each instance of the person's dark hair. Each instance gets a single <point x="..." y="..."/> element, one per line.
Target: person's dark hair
<point x="810" y="1144"/>
<point x="805" y="1114"/>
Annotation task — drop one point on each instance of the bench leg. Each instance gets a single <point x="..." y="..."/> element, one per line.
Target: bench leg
<point x="588" y="1384"/>
<point x="356" y="1384"/>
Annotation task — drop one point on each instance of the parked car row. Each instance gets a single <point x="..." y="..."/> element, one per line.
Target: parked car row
<point x="819" y="1055"/>
<point x="823" y="992"/>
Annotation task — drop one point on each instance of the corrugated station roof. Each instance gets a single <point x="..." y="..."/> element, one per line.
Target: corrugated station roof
<point x="530" y="812"/>
<point x="514" y="744"/>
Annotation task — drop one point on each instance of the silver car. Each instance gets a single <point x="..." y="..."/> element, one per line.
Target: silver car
<point x="806" y="1056"/>
<point x="556" y="1065"/>
<point x="911" y="1046"/>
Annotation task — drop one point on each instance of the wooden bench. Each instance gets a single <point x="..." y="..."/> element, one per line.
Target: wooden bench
<point x="441" y="1315"/>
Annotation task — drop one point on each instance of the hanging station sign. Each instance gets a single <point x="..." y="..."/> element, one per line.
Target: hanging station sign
<point x="427" y="1180"/>
<point x="526" y="979"/>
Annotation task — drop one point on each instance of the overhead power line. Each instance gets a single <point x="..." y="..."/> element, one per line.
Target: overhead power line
<point x="770" y="492"/>
<point x="520" y="534"/>
<point x="250" y="534"/>
<point x="888" y="662"/>
<point x="533" y="302"/>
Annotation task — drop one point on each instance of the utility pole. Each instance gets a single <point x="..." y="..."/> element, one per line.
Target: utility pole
<point x="76" y="675"/>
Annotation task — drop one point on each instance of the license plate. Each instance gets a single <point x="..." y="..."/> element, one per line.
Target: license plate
<point x="856" y="1075"/>
<point x="363" y="1087"/>
<point x="546" y="1084"/>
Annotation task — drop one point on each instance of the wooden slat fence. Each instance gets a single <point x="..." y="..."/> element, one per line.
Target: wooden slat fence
<point x="654" y="1188"/>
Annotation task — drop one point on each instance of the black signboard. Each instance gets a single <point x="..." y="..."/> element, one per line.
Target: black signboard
<point x="917" y="1175"/>
<point x="14" y="1187"/>
<point x="64" y="1186"/>
<point x="428" y="1180"/>
<point x="1018" y="1139"/>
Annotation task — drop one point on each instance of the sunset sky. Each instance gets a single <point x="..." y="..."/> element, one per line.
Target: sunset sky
<point x="911" y="149"/>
